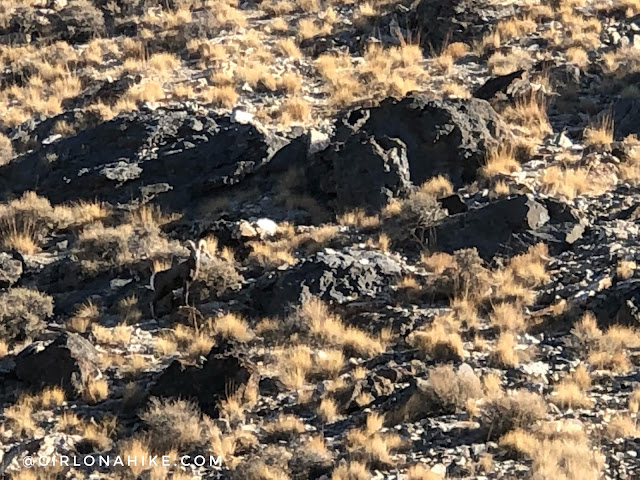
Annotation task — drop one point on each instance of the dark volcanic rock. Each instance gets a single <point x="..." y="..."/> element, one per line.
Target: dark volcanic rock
<point x="171" y="156"/>
<point x="366" y="171"/>
<point x="10" y="270"/>
<point x="626" y="117"/>
<point x="332" y="276"/>
<point x="440" y="137"/>
<point x="453" y="204"/>
<point x="223" y="374"/>
<point x="617" y="305"/>
<point x="490" y="229"/>
<point x="439" y="22"/>
<point x="69" y="361"/>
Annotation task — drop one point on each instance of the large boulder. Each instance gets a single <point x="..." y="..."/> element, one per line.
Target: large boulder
<point x="509" y="226"/>
<point x="365" y="164"/>
<point x="365" y="171"/>
<point x="438" y="22"/>
<point x="69" y="362"/>
<point x="172" y="156"/>
<point x="490" y="229"/>
<point x="222" y="375"/>
<point x="333" y="276"/>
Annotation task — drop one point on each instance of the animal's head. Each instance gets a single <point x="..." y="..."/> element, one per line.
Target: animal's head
<point x="200" y="250"/>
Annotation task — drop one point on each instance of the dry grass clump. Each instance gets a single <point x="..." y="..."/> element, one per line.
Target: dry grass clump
<point x="86" y="314"/>
<point x="173" y="424"/>
<point x="351" y="471"/>
<point x="328" y="410"/>
<point x="96" y="390"/>
<point x="577" y="56"/>
<point x="358" y="218"/>
<point x="573" y="181"/>
<point x="187" y="341"/>
<point x="515" y="27"/>
<point x="294" y="365"/>
<point x="530" y="116"/>
<point x="625" y="269"/>
<point x="500" y="161"/>
<point x="438" y="186"/>
<point x="232" y="326"/>
<point x="507" y="353"/>
<point x="294" y="109"/>
<point x="621" y="426"/>
<point x="564" y="457"/>
<point x="328" y="328"/>
<point x="25" y="221"/>
<point x="517" y="409"/>
<point x="284" y="427"/>
<point x="503" y="64"/>
<point x="370" y="445"/>
<point x="440" y="341"/>
<point x="599" y="133"/>
<point x="570" y="392"/>
<point x="605" y="350"/>
<point x="634" y="400"/>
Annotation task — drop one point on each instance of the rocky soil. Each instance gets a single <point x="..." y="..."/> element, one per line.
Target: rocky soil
<point x="420" y="223"/>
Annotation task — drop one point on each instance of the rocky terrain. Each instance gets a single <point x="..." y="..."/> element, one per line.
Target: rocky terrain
<point x="420" y="225"/>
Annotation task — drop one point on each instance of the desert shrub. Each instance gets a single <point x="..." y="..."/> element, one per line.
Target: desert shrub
<point x="173" y="424"/>
<point x="23" y="312"/>
<point x="444" y="392"/>
<point x="464" y="277"/>
<point x="416" y="218"/>
<point x="520" y="409"/>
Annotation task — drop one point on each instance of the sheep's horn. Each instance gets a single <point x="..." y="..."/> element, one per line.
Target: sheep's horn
<point x="202" y="244"/>
<point x="191" y="245"/>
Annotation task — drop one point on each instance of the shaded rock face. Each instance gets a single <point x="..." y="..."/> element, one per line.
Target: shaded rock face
<point x="438" y="137"/>
<point x="439" y="22"/>
<point x="367" y="171"/>
<point x="509" y="226"/>
<point x="491" y="228"/>
<point x="222" y="375"/>
<point x="69" y="361"/>
<point x="332" y="276"/>
<point x="617" y="305"/>
<point x="170" y="156"/>
<point x="626" y="117"/>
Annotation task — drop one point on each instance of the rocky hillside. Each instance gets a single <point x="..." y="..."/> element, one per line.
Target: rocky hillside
<point x="320" y="239"/>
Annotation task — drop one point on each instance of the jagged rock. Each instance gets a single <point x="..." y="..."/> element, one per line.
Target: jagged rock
<point x="10" y="270"/>
<point x="490" y="229"/>
<point x="222" y="374"/>
<point x="193" y="154"/>
<point x="366" y="163"/>
<point x="69" y="361"/>
<point x="333" y="276"/>
<point x="366" y="171"/>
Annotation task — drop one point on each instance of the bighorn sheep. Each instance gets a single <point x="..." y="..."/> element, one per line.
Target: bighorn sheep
<point x="181" y="275"/>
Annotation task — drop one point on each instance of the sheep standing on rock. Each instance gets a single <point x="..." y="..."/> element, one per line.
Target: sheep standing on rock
<point x="181" y="275"/>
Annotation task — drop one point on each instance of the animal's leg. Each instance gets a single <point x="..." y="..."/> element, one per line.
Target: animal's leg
<point x="186" y="294"/>
<point x="153" y="311"/>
